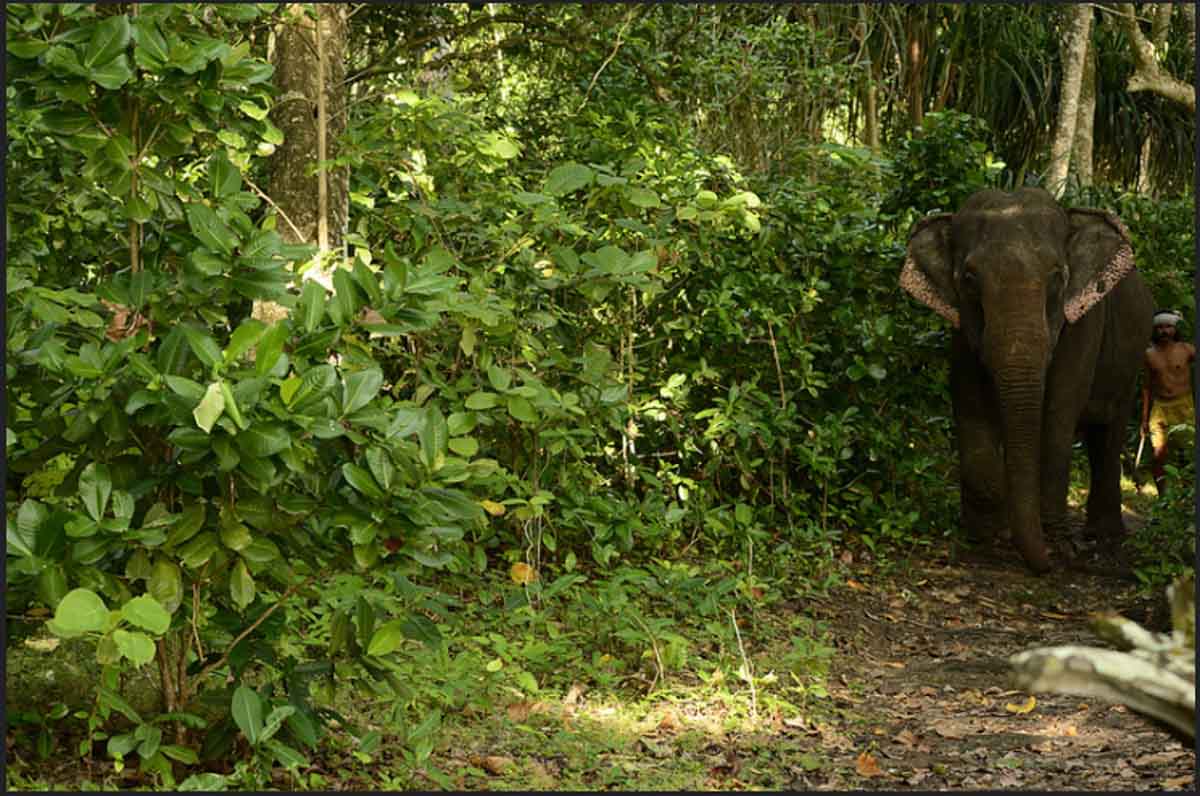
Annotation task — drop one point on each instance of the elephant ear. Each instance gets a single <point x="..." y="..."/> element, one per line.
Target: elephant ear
<point x="928" y="272"/>
<point x="1099" y="254"/>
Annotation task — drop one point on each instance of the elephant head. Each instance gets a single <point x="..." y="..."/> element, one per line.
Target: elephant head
<point x="1010" y="270"/>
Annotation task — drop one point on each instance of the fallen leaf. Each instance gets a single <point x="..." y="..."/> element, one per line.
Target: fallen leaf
<point x="519" y="711"/>
<point x="949" y="731"/>
<point x="573" y="694"/>
<point x="868" y="766"/>
<point x="905" y="738"/>
<point x="1025" y="707"/>
<point x="522" y="574"/>
<point x="1179" y="783"/>
<point x="852" y="583"/>
<point x="42" y="644"/>
<point x="894" y="664"/>
<point x="496" y="764"/>
<point x="1053" y="615"/>
<point x="670" y="721"/>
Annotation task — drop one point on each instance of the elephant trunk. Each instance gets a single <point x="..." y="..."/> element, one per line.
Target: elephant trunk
<point x="1020" y="386"/>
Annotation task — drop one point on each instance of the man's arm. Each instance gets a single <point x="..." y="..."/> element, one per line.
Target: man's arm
<point x="1147" y="396"/>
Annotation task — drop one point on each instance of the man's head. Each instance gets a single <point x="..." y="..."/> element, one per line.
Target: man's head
<point x="1165" y="324"/>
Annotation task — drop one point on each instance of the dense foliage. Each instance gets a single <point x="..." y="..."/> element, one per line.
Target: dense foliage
<point x="574" y="336"/>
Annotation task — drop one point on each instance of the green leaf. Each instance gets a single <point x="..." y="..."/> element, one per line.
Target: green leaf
<point x="482" y="400"/>
<point x="29" y="48"/>
<point x="202" y="345"/>
<point x="362" y="481"/>
<point x="381" y="466"/>
<point x="421" y="628"/>
<point x="253" y="110"/>
<point x="312" y="304"/>
<point x="80" y="611"/>
<point x="204" y="782"/>
<point x="243" y="338"/>
<point x="211" y="231"/>
<point x="345" y="294"/>
<point x="235" y="535"/>
<point x="366" y="279"/>
<point x="288" y="757"/>
<point x="181" y="754"/>
<point x="641" y="197"/>
<point x="224" y="178"/>
<point x="270" y="348"/>
<point x="23" y="534"/>
<point x="521" y="409"/>
<point x="120" y="745"/>
<point x="137" y="647"/>
<point x="138" y="210"/>
<point x="260" y="551"/>
<point x="464" y="446"/>
<point x="433" y="436"/>
<point x="275" y="720"/>
<point x="198" y="551"/>
<point x="166" y="584"/>
<point x="109" y="38"/>
<point x="567" y="178"/>
<point x="113" y="74"/>
<point x="149" y="46"/>
<point x="360" y="389"/>
<point x="264" y="440"/>
<point x="247" y="713"/>
<point x="386" y="639"/>
<point x="210" y="408"/>
<point x="500" y="378"/>
<point x="95" y="485"/>
<point x="147" y="613"/>
<point x="241" y="587"/>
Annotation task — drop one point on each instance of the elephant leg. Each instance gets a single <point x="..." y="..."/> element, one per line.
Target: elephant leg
<point x="1057" y="441"/>
<point x="980" y="449"/>
<point x="981" y="465"/>
<point x="1104" y="493"/>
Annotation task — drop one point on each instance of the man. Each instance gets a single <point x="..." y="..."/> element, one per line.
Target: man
<point x="1166" y="389"/>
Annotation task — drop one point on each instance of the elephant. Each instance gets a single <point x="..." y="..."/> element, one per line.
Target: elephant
<point x="1050" y="323"/>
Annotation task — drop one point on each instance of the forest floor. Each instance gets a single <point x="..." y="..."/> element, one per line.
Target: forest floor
<point x="895" y="679"/>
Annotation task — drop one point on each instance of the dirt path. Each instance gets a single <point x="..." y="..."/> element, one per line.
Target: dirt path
<point x="924" y="660"/>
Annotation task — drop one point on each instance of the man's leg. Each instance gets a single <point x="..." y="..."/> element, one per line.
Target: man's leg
<point x="1158" y="441"/>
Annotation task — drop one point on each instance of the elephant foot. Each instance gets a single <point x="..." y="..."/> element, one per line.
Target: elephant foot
<point x="985" y="528"/>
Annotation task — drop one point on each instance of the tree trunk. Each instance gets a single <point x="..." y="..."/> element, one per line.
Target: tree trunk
<point x="1074" y="52"/>
<point x="915" y="61"/>
<point x="313" y="203"/>
<point x="1081" y="151"/>
<point x="1145" y="184"/>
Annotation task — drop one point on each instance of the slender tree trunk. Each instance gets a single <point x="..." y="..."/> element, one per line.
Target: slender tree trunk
<point x="313" y="202"/>
<point x="1081" y="151"/>
<point x="1145" y="184"/>
<point x="1074" y="52"/>
<point x="915" y="62"/>
<point x="870" y="91"/>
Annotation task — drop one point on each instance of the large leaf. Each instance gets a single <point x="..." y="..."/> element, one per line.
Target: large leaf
<point x="249" y="332"/>
<point x="387" y="639"/>
<point x="80" y="611"/>
<point x="113" y="74"/>
<point x="146" y="612"/>
<point x="270" y="348"/>
<point x="224" y="178"/>
<point x="166" y="584"/>
<point x="95" y="485"/>
<point x="362" y="481"/>
<point x="312" y="304"/>
<point x="247" y="713"/>
<point x="360" y="389"/>
<point x="567" y="178"/>
<point x="210" y="408"/>
<point x="109" y="39"/>
<point x="137" y="647"/>
<point x="345" y="294"/>
<point x="211" y="231"/>
<point x="22" y="535"/>
<point x="264" y="439"/>
<point x="241" y="586"/>
<point x="521" y="409"/>
<point x="202" y="345"/>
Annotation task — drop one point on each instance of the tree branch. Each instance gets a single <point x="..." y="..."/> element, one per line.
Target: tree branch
<point x="1147" y="74"/>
